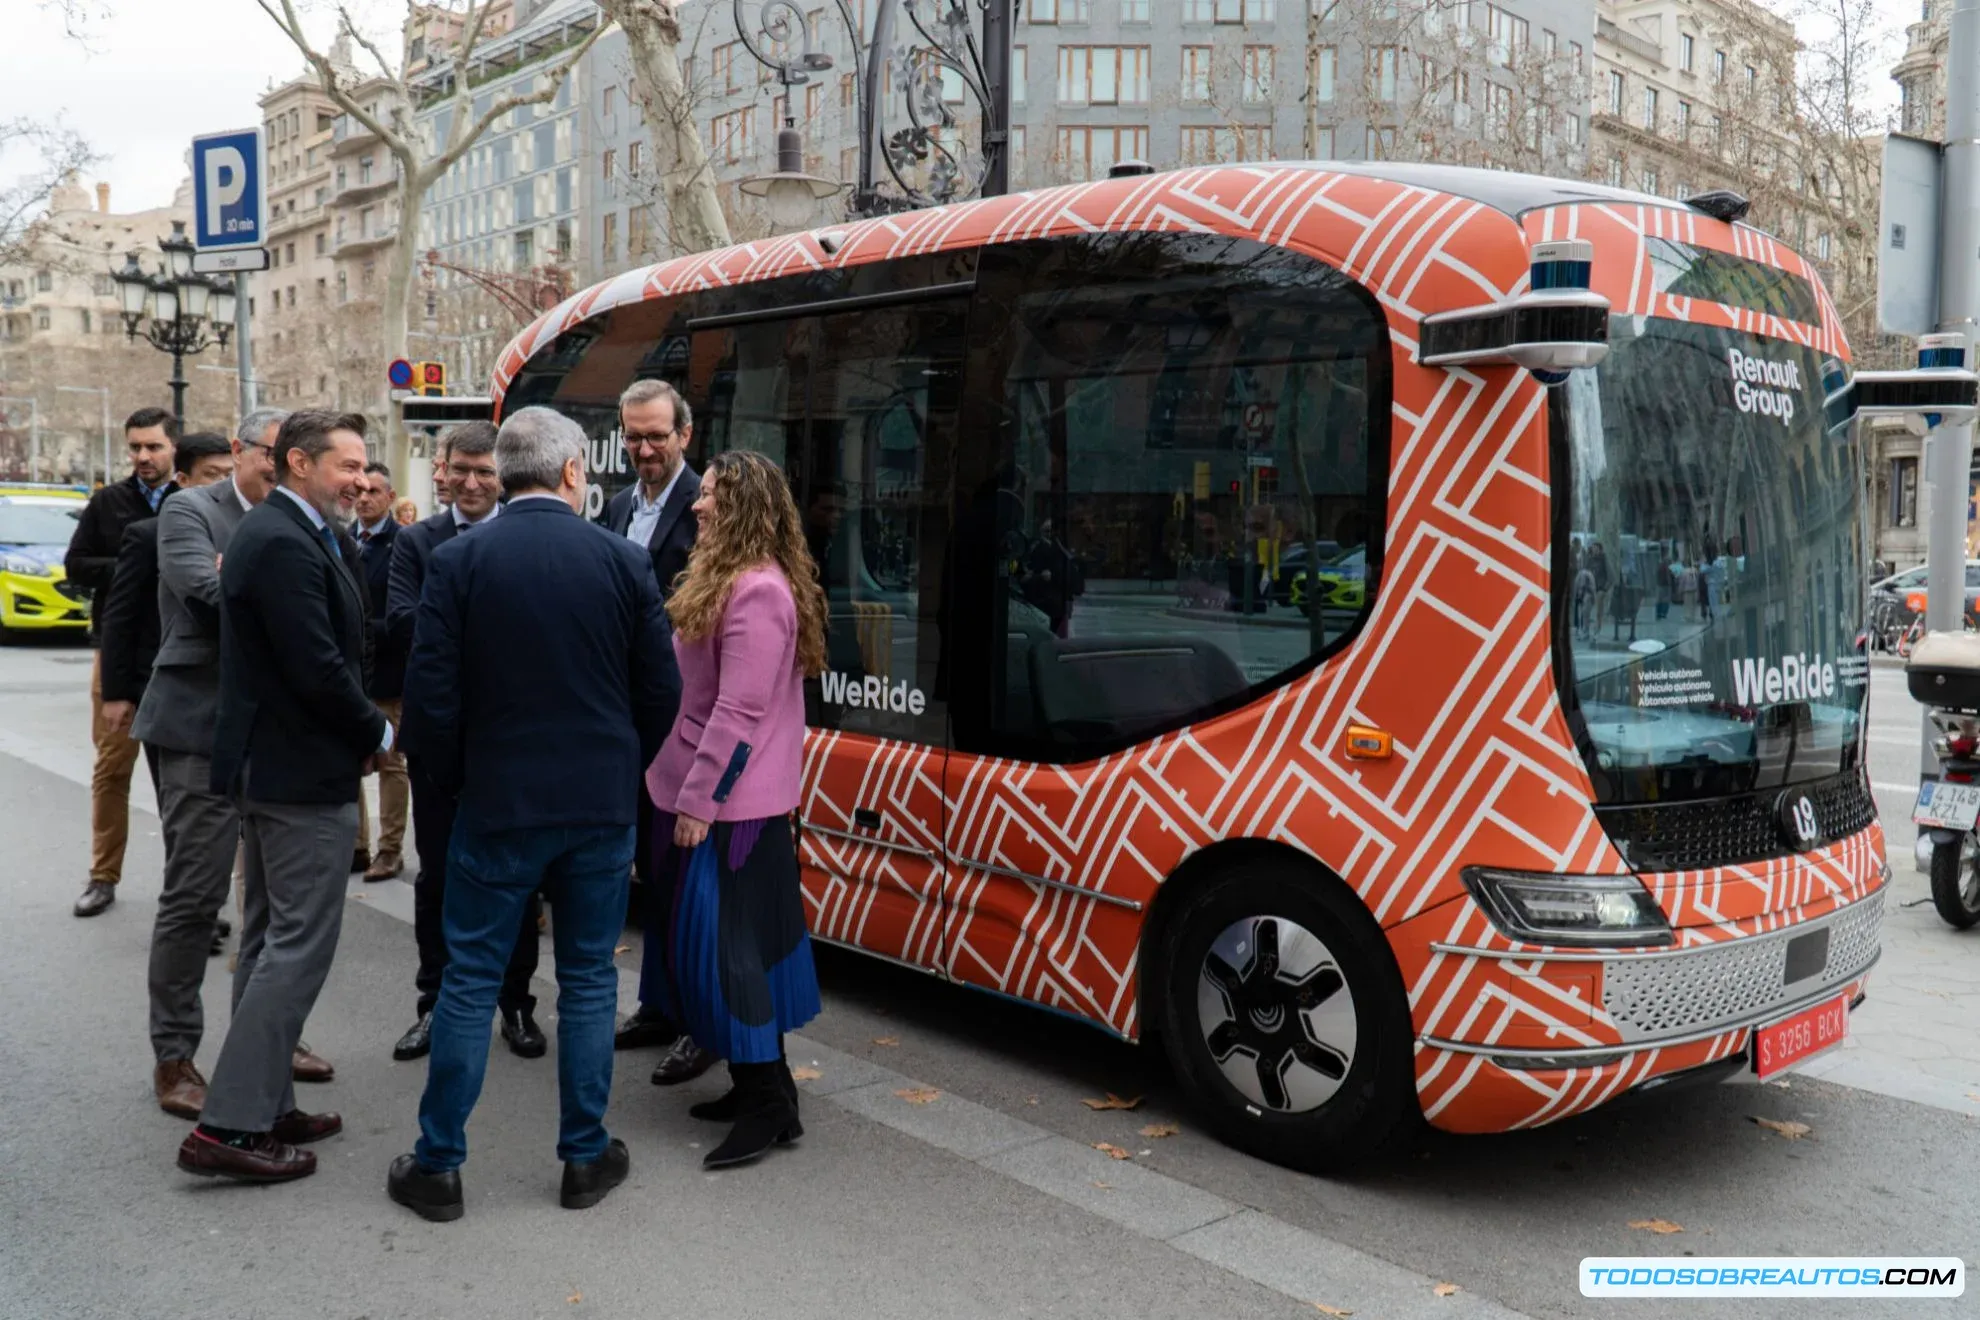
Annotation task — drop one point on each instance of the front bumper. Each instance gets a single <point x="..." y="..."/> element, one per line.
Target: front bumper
<point x="1562" y="1032"/>
<point x="40" y="603"/>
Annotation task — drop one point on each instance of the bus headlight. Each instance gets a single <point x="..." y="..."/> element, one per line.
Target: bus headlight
<point x="1603" y="910"/>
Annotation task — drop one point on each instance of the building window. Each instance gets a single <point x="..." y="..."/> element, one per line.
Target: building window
<point x="1196" y="62"/>
<point x="1061" y="11"/>
<point x="1684" y="120"/>
<point x="1103" y="75"/>
<point x="1089" y="150"/>
<point x="733" y="136"/>
<point x="1650" y="108"/>
<point x="1687" y="52"/>
<point x="1904" y="492"/>
<point x="1258" y="68"/>
<point x="1651" y="180"/>
<point x="1618" y="89"/>
<point x="1020" y="73"/>
<point x="85" y="321"/>
<point x="1217" y="144"/>
<point x="636" y="226"/>
<point x="1752" y="80"/>
<point x="364" y="169"/>
<point x="1718" y="66"/>
<point x="608" y="246"/>
<point x="632" y="159"/>
<point x="44" y="281"/>
<point x="1507" y="35"/>
<point x="321" y="244"/>
<point x="1134" y="11"/>
<point x="1326" y="64"/>
<point x="1231" y="11"/>
<point x="610" y="167"/>
<point x="1382" y="72"/>
<point x="1616" y="171"/>
<point x="611" y="103"/>
<point x="1379" y="143"/>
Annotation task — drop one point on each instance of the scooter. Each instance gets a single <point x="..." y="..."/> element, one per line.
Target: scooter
<point x="1943" y="673"/>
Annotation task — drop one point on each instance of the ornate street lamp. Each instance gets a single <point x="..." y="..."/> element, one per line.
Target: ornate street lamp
<point x="924" y="163"/>
<point x="176" y="310"/>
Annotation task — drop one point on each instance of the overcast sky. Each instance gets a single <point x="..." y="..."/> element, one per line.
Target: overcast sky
<point x="157" y="72"/>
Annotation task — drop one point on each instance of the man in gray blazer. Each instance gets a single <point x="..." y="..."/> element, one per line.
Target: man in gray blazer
<point x="177" y="716"/>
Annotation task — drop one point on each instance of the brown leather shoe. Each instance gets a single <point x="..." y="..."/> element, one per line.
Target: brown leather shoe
<point x="181" y="1091"/>
<point x="308" y="1067"/>
<point x="265" y="1160"/>
<point x="384" y="867"/>
<point x="299" y="1129"/>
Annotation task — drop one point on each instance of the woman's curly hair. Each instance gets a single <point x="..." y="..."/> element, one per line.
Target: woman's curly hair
<point x="756" y="522"/>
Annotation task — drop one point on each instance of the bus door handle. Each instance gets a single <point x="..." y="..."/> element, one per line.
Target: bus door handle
<point x="865" y="819"/>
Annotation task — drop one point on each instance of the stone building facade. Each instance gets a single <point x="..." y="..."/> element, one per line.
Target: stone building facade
<point x="62" y="342"/>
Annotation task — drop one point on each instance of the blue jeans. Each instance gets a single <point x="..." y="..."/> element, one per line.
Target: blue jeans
<point x="490" y="876"/>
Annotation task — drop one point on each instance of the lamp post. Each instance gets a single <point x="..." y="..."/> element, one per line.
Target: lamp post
<point x="177" y="310"/>
<point x="923" y="163"/>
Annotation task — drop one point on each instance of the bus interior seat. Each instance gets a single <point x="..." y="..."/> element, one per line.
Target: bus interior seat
<point x="1102" y="688"/>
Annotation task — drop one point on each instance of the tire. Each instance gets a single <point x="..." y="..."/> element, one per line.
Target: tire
<point x="1309" y="1112"/>
<point x="1956" y="882"/>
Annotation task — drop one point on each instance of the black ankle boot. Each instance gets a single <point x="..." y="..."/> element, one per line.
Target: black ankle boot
<point x="729" y="1105"/>
<point x="765" y="1115"/>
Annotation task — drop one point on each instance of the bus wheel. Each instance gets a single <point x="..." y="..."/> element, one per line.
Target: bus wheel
<point x="1285" y="1017"/>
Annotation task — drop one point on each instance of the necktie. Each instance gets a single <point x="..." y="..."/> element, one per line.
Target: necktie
<point x="330" y="539"/>
<point x="364" y="537"/>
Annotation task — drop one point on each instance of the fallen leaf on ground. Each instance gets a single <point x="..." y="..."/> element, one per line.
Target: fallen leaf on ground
<point x="919" y="1095"/>
<point x="1032" y="1099"/>
<point x="1110" y="1149"/>
<point x="886" y="1040"/>
<point x="1325" y="1309"/>
<point x="575" y="1298"/>
<point x="1656" y="1225"/>
<point x="1787" y="1127"/>
<point x="803" y="1074"/>
<point x="1113" y="1102"/>
<point x="1164" y="1130"/>
<point x="1447" y="1290"/>
<point x="1103" y="1186"/>
<point x="1782" y="1085"/>
<point x="623" y="948"/>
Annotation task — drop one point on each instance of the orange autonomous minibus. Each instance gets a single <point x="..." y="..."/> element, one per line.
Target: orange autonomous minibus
<point x="1388" y="632"/>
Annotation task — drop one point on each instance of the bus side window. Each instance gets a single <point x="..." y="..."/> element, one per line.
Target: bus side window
<point x="1189" y="480"/>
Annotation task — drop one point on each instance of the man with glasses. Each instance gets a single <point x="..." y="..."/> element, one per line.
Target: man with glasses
<point x="476" y="492"/>
<point x="656" y="425"/>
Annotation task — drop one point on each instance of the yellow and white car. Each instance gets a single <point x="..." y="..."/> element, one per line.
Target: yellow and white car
<point x="36" y="523"/>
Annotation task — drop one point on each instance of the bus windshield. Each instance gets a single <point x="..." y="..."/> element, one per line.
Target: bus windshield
<point x="1711" y="591"/>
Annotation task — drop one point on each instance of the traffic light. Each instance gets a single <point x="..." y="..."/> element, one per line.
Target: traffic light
<point x="430" y="378"/>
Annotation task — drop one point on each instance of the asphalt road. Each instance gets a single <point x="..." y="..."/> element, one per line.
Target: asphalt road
<point x="988" y="1201"/>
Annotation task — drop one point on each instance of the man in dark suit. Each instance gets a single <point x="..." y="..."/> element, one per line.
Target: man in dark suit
<point x="127" y="621"/>
<point x="376" y="535"/>
<point x="91" y="564"/>
<point x="540" y="632"/>
<point x="656" y="425"/>
<point x="175" y="721"/>
<point x="294" y="735"/>
<point x="476" y="492"/>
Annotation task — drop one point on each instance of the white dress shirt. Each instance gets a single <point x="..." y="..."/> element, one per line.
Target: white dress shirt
<point x="462" y="522"/>
<point x="645" y="514"/>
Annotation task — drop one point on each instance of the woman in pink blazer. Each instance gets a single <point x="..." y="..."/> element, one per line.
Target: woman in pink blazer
<point x="749" y="626"/>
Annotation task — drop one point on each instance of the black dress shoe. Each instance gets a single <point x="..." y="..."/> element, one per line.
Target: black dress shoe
<point x="218" y="945"/>
<point x="524" y="1036"/>
<point x="683" y="1062"/>
<point x="585" y="1184"/>
<point x="223" y="927"/>
<point x="96" y="899"/>
<point x="361" y="860"/>
<point x="417" y="1041"/>
<point x="434" y="1196"/>
<point x="645" y="1028"/>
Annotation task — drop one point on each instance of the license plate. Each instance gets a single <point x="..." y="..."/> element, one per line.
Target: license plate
<point x="1778" y="1046"/>
<point x="1947" y="806"/>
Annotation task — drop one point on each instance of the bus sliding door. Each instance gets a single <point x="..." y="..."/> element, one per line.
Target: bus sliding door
<point x="859" y="406"/>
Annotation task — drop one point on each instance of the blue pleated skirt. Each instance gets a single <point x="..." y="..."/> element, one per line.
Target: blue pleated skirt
<point x="739" y="969"/>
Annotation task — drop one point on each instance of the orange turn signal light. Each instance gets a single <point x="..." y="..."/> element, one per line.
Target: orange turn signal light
<point x="1366" y="744"/>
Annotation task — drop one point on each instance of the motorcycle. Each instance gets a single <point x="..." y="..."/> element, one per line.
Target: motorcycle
<point x="1943" y="674"/>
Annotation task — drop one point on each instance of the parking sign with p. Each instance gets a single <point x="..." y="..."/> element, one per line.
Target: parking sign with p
<point x="227" y="184"/>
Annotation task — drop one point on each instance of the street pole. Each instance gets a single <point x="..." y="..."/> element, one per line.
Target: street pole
<point x="243" y="346"/>
<point x="1949" y="447"/>
<point x="997" y="82"/>
<point x="178" y="382"/>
